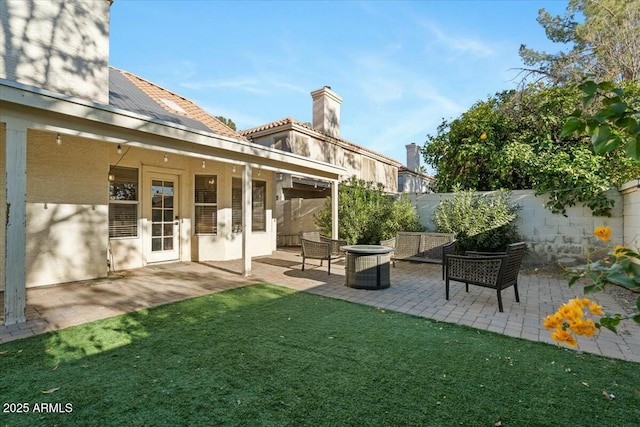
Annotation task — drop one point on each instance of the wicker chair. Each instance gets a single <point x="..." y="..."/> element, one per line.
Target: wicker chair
<point x="315" y="236"/>
<point x="491" y="270"/>
<point x="318" y="250"/>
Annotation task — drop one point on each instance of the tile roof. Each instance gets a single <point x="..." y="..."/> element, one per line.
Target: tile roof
<point x="135" y="94"/>
<point x="288" y="120"/>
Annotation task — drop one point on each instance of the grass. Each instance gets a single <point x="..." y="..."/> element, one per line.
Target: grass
<point x="265" y="355"/>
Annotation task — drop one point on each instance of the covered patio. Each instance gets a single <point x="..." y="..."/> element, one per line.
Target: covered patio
<point x="416" y="289"/>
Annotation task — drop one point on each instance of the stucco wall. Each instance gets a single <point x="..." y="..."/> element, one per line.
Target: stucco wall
<point x="62" y="46"/>
<point x="294" y="216"/>
<point x="549" y="236"/>
<point x="227" y="245"/>
<point x="353" y="161"/>
<point x="68" y="202"/>
<point x="3" y="195"/>
<point x="67" y="209"/>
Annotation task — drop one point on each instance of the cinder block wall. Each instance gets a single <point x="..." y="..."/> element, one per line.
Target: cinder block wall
<point x="552" y="236"/>
<point x="631" y="196"/>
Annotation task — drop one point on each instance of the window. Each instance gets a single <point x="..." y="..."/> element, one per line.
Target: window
<point x="258" y="205"/>
<point x="123" y="202"/>
<point x="206" y="204"/>
<point x="236" y="205"/>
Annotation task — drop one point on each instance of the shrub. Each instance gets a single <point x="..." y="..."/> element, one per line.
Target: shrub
<point x="481" y="222"/>
<point x="366" y="215"/>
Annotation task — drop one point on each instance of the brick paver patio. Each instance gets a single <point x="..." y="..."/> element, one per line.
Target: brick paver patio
<point x="416" y="289"/>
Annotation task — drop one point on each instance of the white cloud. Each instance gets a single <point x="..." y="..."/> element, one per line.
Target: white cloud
<point x="245" y="84"/>
<point x="458" y="43"/>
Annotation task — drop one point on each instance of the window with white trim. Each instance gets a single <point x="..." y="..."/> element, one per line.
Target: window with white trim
<point x="123" y="202"/>
<point x="206" y="204"/>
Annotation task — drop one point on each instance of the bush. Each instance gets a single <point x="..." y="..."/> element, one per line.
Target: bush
<point x="366" y="215"/>
<point x="481" y="222"/>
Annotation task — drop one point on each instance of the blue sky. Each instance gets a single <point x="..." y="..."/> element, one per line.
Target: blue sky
<point x="400" y="67"/>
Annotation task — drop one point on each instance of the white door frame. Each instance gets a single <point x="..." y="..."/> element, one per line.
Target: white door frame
<point x="159" y="225"/>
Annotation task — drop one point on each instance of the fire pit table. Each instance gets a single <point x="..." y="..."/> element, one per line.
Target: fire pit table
<point x="367" y="266"/>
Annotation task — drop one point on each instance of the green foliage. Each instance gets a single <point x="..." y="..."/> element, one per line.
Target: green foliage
<point x="481" y="222"/>
<point x="604" y="42"/>
<point x="615" y="123"/>
<point x="526" y="148"/>
<point x="366" y="215"/>
<point x="227" y="122"/>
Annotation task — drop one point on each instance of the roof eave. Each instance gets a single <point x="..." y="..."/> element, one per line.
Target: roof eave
<point x="37" y="98"/>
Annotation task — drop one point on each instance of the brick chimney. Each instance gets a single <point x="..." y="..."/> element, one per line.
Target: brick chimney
<point x="326" y="111"/>
<point x="413" y="157"/>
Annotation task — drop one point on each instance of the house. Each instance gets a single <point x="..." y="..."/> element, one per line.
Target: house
<point x="320" y="140"/>
<point x="411" y="179"/>
<point x="103" y="170"/>
<point x="299" y="198"/>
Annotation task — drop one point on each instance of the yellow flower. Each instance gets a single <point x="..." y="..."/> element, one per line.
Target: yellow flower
<point x="562" y="336"/>
<point x="586" y="328"/>
<point x="571" y="311"/>
<point x="596" y="309"/>
<point x="483" y="136"/>
<point x="552" y="321"/>
<point x="603" y="233"/>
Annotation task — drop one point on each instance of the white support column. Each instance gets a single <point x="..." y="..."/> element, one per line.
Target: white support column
<point x="15" y="223"/>
<point x="246" y="219"/>
<point x="334" y="209"/>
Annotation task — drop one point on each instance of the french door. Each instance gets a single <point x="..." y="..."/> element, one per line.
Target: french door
<point x="164" y="217"/>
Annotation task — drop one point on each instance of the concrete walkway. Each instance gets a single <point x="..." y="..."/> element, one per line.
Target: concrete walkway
<point x="416" y="289"/>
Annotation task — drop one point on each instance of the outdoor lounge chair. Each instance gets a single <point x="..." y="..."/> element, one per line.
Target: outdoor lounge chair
<point x="491" y="270"/>
<point x="421" y="247"/>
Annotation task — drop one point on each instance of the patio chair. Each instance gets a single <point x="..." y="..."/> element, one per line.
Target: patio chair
<point x="318" y="250"/>
<point x="491" y="270"/>
<point x="317" y="237"/>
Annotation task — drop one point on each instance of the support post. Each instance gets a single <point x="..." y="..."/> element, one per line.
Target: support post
<point x="246" y="219"/>
<point x="334" y="209"/>
<point x="15" y="222"/>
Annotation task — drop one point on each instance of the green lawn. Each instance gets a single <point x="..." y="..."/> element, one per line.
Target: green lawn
<point x="265" y="355"/>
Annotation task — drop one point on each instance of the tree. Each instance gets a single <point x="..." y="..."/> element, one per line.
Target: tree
<point x="515" y="140"/>
<point x="366" y="215"/>
<point x="227" y="122"/>
<point x="615" y="123"/>
<point x="605" y="44"/>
